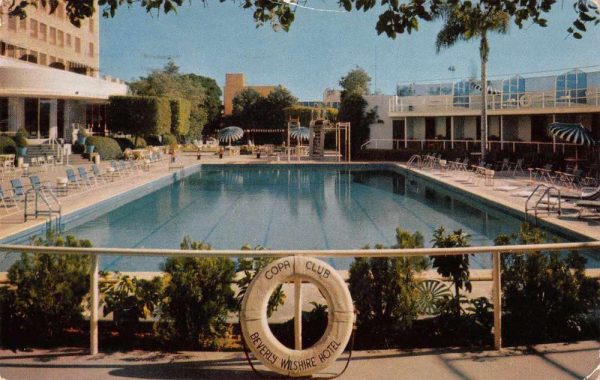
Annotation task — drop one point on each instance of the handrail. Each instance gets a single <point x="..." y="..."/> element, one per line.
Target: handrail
<point x="548" y="193"/>
<point x="40" y="193"/>
<point x="541" y="185"/>
<point x="496" y="252"/>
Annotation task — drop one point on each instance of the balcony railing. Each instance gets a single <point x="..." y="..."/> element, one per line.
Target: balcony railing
<point x="514" y="101"/>
<point x="472" y="145"/>
<point x="495" y="251"/>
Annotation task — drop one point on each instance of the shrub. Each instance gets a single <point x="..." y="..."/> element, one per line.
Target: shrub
<point x="169" y="140"/>
<point x="107" y="147"/>
<point x="180" y="116"/>
<point x="196" y="299"/>
<point x="7" y="145"/>
<point x="546" y="296"/>
<point x="21" y="139"/>
<point x="139" y="115"/>
<point x="130" y="299"/>
<point x="152" y="140"/>
<point x="455" y="267"/>
<point x="46" y="292"/>
<point x="131" y="142"/>
<point x="385" y="292"/>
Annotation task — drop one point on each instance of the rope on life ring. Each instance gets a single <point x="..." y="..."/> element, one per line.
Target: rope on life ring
<point x="525" y="101"/>
<point x="264" y="345"/>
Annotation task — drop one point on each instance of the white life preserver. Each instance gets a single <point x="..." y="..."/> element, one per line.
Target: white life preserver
<point x="525" y="101"/>
<point x="255" y="327"/>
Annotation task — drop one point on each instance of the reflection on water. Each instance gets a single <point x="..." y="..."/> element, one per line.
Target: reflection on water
<point x="289" y="207"/>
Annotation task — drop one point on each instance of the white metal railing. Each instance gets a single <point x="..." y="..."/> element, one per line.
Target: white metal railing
<point x="510" y="101"/>
<point x="495" y="251"/>
<point x="445" y="144"/>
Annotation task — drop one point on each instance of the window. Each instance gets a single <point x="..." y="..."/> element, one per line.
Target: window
<point x="91" y="24"/>
<point x="60" y="38"/>
<point x="42" y="59"/>
<point x="52" y="38"/>
<point x="23" y="24"/>
<point x="43" y="32"/>
<point x="33" y="27"/>
<point x="91" y="49"/>
<point x="461" y="91"/>
<point x="512" y="89"/>
<point x="12" y="23"/>
<point x="68" y="40"/>
<point x="571" y="87"/>
<point x="77" y="45"/>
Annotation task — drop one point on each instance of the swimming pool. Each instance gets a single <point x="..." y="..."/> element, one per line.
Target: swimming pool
<point x="290" y="207"/>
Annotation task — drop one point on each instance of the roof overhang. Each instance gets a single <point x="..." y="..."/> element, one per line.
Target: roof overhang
<point x="18" y="78"/>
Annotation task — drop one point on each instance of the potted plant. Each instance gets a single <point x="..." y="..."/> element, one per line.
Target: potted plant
<point x="81" y="136"/>
<point x="21" y="142"/>
<point x="89" y="146"/>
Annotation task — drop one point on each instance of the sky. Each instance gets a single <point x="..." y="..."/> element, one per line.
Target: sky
<point x="323" y="46"/>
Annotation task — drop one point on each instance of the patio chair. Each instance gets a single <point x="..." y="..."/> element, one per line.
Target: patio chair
<point x="5" y="199"/>
<point x="99" y="174"/>
<point x="17" y="188"/>
<point x="503" y="165"/>
<point x="73" y="181"/>
<point x="85" y="178"/>
<point x="517" y="166"/>
<point x="38" y="185"/>
<point x="592" y="206"/>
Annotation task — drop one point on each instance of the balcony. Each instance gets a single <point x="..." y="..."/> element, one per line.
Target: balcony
<point x="532" y="102"/>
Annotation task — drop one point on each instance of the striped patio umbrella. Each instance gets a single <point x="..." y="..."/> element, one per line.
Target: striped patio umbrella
<point x="490" y="89"/>
<point x="230" y="134"/>
<point x="300" y="133"/>
<point x="573" y="133"/>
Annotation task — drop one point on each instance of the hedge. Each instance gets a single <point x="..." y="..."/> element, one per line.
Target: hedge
<point x="139" y="115"/>
<point x="180" y="116"/>
<point x="7" y="145"/>
<point x="107" y="147"/>
<point x="168" y="139"/>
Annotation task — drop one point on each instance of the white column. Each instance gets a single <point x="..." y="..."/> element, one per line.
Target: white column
<point x="16" y="113"/>
<point x="452" y="130"/>
<point x="501" y="132"/>
<point x="405" y="132"/>
<point x="94" y="304"/>
<point x="53" y="130"/>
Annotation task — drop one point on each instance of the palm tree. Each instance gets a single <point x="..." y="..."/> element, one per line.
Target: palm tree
<point x="465" y="22"/>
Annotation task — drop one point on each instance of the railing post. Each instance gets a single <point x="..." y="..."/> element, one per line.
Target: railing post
<point x="94" y="304"/>
<point x="298" y="313"/>
<point x="497" y="299"/>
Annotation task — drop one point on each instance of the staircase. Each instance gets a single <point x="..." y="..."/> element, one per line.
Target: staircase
<point x="44" y="150"/>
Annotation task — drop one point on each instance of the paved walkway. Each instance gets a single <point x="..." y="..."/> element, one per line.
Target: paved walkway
<point x="511" y="192"/>
<point x="555" y="361"/>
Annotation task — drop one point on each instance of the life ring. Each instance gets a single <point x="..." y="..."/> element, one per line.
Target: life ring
<point x="255" y="328"/>
<point x="525" y="101"/>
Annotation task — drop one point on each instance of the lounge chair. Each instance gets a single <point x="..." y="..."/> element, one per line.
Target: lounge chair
<point x="592" y="206"/>
<point x="17" y="188"/>
<point x="99" y="174"/>
<point x="85" y="178"/>
<point x="73" y="181"/>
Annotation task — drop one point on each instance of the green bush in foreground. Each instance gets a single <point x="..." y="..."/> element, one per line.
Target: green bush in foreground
<point x="384" y="291"/>
<point x="546" y="295"/>
<point x="196" y="299"/>
<point x="46" y="292"/>
<point x="106" y="147"/>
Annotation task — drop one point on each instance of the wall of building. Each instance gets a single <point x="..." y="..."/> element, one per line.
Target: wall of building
<point x="234" y="84"/>
<point x="382" y="128"/>
<point x="51" y="38"/>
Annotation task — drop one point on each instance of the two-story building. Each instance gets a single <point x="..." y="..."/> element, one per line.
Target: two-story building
<point x="520" y="109"/>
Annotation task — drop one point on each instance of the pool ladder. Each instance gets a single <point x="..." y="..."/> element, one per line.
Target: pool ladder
<point x="53" y="208"/>
<point x="415" y="160"/>
<point x="540" y="193"/>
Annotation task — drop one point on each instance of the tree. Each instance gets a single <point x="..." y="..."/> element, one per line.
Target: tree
<point x="169" y="82"/>
<point x="355" y="82"/>
<point x="139" y="115"/>
<point x="467" y="21"/>
<point x="212" y="104"/>
<point x="353" y="107"/>
<point x="457" y="266"/>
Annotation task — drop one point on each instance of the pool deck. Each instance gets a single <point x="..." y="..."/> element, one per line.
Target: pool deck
<point x="549" y="361"/>
<point x="587" y="228"/>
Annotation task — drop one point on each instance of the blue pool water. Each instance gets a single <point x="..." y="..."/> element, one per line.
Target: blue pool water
<point x="290" y="207"/>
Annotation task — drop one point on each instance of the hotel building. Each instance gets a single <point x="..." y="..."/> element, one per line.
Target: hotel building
<point x="234" y="84"/>
<point x="446" y="116"/>
<point x="50" y="79"/>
